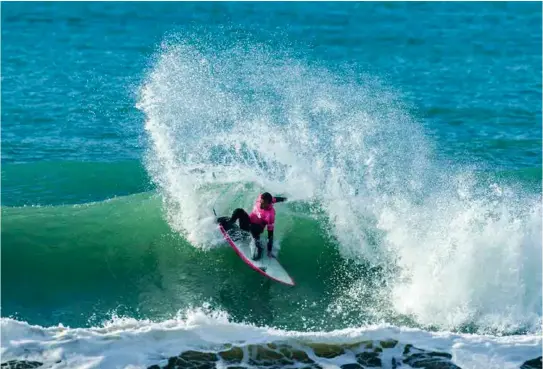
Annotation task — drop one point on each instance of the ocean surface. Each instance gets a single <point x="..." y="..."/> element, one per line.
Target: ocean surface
<point x="406" y="136"/>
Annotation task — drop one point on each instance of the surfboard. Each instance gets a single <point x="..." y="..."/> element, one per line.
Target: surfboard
<point x="243" y="244"/>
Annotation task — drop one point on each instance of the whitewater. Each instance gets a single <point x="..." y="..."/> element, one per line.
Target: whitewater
<point x="362" y="166"/>
<point x="131" y="343"/>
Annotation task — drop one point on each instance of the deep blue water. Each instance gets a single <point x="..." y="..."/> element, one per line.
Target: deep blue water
<point x="470" y="72"/>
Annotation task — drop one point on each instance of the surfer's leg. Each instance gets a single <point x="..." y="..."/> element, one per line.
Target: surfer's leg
<point x="244" y="222"/>
<point x="258" y="248"/>
<point x="256" y="231"/>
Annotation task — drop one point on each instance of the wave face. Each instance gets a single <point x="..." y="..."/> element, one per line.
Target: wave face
<point x="448" y="249"/>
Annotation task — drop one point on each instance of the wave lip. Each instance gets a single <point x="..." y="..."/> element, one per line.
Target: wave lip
<point x="347" y="147"/>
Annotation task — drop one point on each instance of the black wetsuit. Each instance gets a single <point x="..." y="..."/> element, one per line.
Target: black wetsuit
<point x="255" y="229"/>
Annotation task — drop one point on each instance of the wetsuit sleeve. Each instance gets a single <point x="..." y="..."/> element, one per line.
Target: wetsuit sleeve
<point x="279" y="199"/>
<point x="270" y="240"/>
<point x="271" y="221"/>
<point x="271" y="225"/>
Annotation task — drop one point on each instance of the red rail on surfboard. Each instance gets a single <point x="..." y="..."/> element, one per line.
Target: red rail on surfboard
<point x="267" y="266"/>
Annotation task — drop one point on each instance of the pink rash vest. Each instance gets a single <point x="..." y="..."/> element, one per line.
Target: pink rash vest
<point x="263" y="216"/>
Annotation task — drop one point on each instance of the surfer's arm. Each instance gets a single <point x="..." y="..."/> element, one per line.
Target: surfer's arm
<point x="270" y="240"/>
<point x="279" y="199"/>
<point x="271" y="226"/>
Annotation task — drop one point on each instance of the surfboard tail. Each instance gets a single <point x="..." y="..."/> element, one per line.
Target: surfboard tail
<point x="268" y="267"/>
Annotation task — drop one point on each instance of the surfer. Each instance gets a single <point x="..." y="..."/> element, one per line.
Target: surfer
<point x="263" y="215"/>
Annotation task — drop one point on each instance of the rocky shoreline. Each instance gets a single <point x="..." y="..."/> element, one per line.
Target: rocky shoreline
<point x="361" y="355"/>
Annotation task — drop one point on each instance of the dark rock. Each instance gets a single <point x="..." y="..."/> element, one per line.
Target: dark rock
<point x="234" y="355"/>
<point x="352" y="366"/>
<point x="327" y="351"/>
<point x="532" y="364"/>
<point x="367" y="344"/>
<point x="431" y="355"/>
<point x="434" y="364"/>
<point x="270" y="364"/>
<point x="171" y="362"/>
<point x="177" y="363"/>
<point x="440" y="354"/>
<point x="204" y="366"/>
<point x="198" y="356"/>
<point x="263" y="354"/>
<point x="389" y="343"/>
<point x="430" y="360"/>
<point x="369" y="359"/>
<point x="407" y="348"/>
<point x="20" y="364"/>
<point x="297" y="355"/>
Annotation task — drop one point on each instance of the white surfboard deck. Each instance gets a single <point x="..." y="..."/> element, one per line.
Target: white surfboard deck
<point x="243" y="245"/>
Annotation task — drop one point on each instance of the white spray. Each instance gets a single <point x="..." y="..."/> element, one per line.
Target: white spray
<point x="244" y="114"/>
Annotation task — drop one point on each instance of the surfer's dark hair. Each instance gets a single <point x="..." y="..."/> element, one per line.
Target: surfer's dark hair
<point x="268" y="197"/>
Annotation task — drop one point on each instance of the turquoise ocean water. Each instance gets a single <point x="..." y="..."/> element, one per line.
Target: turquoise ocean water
<point x="406" y="135"/>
